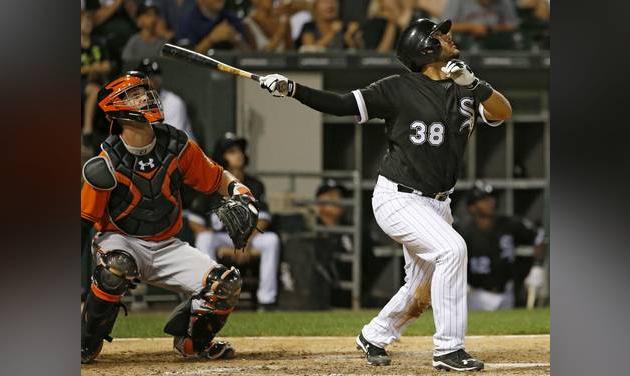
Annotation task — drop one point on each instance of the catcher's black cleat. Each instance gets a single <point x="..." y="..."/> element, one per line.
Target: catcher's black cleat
<point x="218" y="350"/>
<point x="91" y="351"/>
<point x="376" y="356"/>
<point x="458" y="360"/>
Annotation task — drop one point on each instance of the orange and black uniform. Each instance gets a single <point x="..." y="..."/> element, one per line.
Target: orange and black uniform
<point x="145" y="200"/>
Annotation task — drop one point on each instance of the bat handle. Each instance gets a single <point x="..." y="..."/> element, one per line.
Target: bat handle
<point x="255" y="77"/>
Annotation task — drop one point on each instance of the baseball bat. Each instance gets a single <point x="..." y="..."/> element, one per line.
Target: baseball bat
<point x="195" y="58"/>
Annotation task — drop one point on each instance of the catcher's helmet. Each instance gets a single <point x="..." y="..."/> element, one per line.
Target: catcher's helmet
<point x="119" y="103"/>
<point x="417" y="46"/>
<point x="479" y="191"/>
<point x="228" y="140"/>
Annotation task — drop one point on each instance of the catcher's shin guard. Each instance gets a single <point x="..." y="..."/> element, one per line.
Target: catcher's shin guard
<point x="109" y="284"/>
<point x="196" y="322"/>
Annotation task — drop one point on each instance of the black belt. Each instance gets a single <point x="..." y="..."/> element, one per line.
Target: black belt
<point x="442" y="196"/>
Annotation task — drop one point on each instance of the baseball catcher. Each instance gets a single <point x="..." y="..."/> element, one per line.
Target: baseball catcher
<point x="131" y="196"/>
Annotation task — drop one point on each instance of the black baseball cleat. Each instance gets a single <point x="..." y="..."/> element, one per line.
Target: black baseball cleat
<point x="89" y="351"/>
<point x="376" y="356"/>
<point x="458" y="360"/>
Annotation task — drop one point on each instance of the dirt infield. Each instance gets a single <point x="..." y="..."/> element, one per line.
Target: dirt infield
<point x="504" y="355"/>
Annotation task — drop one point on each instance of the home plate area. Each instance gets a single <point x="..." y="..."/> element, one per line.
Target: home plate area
<point x="503" y="355"/>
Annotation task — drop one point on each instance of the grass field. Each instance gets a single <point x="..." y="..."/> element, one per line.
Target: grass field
<point x="337" y="323"/>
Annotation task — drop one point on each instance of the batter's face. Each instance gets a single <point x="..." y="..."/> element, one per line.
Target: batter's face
<point x="235" y="157"/>
<point x="449" y="49"/>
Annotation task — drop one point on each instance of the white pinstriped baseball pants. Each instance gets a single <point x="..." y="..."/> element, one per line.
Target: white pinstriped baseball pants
<point x="435" y="268"/>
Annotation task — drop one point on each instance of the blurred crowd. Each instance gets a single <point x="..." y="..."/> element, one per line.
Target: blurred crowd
<point x="118" y="35"/>
<point x="118" y="31"/>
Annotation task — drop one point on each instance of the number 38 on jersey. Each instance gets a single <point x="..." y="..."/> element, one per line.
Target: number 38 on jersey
<point x="421" y="133"/>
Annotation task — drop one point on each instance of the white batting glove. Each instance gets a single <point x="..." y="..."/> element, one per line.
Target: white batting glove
<point x="536" y="277"/>
<point x="278" y="85"/>
<point x="459" y="72"/>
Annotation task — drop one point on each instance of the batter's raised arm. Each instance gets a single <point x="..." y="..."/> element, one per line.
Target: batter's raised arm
<point x="319" y="100"/>
<point x="495" y="106"/>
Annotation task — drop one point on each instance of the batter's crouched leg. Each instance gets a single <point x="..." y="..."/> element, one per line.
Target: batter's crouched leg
<point x="196" y="322"/>
<point x="111" y="279"/>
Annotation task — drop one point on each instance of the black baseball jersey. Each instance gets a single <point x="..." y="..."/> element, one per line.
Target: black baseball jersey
<point x="491" y="253"/>
<point x="428" y="123"/>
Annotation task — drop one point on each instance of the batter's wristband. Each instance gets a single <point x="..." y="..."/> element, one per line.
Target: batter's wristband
<point x="481" y="90"/>
<point x="291" y="88"/>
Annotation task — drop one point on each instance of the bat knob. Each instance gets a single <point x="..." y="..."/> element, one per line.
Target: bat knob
<point x="283" y="87"/>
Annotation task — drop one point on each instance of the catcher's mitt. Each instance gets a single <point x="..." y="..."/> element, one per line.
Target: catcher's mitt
<point x="239" y="215"/>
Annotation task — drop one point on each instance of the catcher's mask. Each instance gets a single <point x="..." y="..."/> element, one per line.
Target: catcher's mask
<point x="131" y="97"/>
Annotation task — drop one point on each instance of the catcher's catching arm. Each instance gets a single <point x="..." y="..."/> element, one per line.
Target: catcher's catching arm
<point x="239" y="212"/>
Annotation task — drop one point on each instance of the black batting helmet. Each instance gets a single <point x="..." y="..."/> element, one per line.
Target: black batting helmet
<point x="228" y="140"/>
<point x="417" y="46"/>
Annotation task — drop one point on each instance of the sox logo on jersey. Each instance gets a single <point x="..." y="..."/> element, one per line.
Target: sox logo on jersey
<point x="466" y="109"/>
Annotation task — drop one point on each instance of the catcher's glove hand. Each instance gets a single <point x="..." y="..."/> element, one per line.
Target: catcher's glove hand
<point x="239" y="215"/>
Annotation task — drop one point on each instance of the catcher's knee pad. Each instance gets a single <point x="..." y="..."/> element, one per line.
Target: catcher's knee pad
<point x="221" y="290"/>
<point x="197" y="321"/>
<point x="114" y="274"/>
<point x="110" y="281"/>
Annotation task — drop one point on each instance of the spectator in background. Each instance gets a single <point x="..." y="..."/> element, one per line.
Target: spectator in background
<point x="331" y="212"/>
<point x="301" y="12"/>
<point x="534" y="15"/>
<point x="327" y="31"/>
<point x="495" y="278"/>
<point x="328" y="213"/>
<point x="146" y="43"/>
<point x="381" y="30"/>
<point x="413" y="9"/>
<point x="209" y="26"/>
<point x="175" y="113"/>
<point x="114" y="20"/>
<point x="486" y="23"/>
<point x="95" y="68"/>
<point x="229" y="152"/>
<point x="269" y="25"/>
<point x="172" y="11"/>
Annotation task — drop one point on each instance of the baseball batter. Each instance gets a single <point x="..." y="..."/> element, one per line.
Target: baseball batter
<point x="429" y="113"/>
<point x="131" y="195"/>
